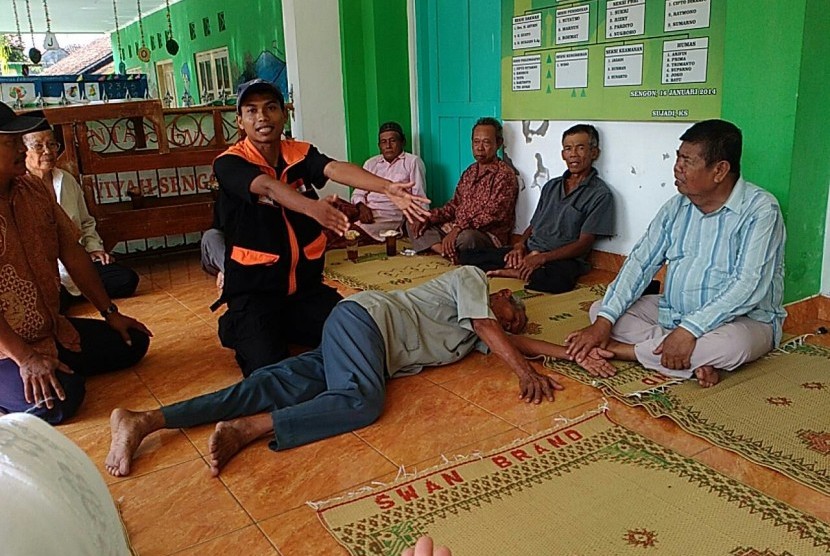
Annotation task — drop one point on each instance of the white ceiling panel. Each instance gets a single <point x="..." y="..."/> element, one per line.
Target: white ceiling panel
<point x="73" y="16"/>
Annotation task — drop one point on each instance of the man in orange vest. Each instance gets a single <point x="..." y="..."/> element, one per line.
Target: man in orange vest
<point x="273" y="222"/>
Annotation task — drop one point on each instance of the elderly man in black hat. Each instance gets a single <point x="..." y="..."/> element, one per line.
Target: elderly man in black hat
<point x="45" y="356"/>
<point x="273" y="221"/>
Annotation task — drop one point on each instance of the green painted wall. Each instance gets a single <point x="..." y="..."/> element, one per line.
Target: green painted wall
<point x="810" y="177"/>
<point x="775" y="78"/>
<point x="375" y="61"/>
<point x="245" y="41"/>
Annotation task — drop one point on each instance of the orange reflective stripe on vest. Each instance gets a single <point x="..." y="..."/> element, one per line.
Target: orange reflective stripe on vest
<point x="316" y="248"/>
<point x="292" y="152"/>
<point x="250" y="257"/>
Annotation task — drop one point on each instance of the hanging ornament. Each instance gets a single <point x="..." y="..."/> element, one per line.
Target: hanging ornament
<point x="143" y="52"/>
<point x="122" y="67"/>
<point x="54" y="53"/>
<point x="34" y="53"/>
<point x="171" y="44"/>
<point x="50" y="42"/>
<point x="17" y="22"/>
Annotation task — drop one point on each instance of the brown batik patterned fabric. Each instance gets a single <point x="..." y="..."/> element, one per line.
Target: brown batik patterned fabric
<point x="33" y="230"/>
<point x="484" y="200"/>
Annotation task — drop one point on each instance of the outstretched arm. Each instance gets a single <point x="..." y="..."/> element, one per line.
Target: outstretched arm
<point x="355" y="176"/>
<point x="533" y="387"/>
<point x="321" y="210"/>
<point x="595" y="362"/>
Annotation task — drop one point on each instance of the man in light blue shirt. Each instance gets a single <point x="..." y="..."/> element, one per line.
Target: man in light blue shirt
<point x="722" y="240"/>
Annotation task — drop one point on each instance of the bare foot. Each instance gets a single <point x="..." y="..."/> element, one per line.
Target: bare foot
<point x="504" y="273"/>
<point x="707" y="376"/>
<point x="128" y="429"/>
<point x="231" y="436"/>
<point x="220" y="281"/>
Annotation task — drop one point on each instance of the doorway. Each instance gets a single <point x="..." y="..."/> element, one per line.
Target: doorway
<point x="459" y="81"/>
<point x="166" y="82"/>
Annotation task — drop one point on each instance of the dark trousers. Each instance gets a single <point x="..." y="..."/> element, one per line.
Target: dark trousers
<point x="259" y="328"/>
<point x="553" y="277"/>
<point x="336" y="388"/>
<point x="119" y="281"/>
<point x="102" y="351"/>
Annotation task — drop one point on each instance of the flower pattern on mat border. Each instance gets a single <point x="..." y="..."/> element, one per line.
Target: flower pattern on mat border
<point x="816" y="441"/>
<point x="641" y="537"/>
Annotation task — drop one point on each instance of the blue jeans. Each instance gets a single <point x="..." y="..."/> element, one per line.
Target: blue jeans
<point x="336" y="388"/>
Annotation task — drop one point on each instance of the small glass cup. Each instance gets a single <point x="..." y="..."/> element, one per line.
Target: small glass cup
<point x="391" y="242"/>
<point x="351" y="244"/>
<point x="136" y="198"/>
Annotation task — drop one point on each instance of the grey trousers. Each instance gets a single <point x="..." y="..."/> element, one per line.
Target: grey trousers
<point x="467" y="239"/>
<point x="726" y="347"/>
<point x="336" y="388"/>
<point x="213" y="251"/>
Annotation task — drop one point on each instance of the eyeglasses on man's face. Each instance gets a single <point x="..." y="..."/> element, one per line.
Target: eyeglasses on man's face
<point x="41" y="147"/>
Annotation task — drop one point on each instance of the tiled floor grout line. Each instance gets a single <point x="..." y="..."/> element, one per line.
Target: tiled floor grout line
<point x="443" y="387"/>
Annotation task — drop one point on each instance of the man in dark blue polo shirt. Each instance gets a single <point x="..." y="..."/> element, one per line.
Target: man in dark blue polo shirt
<point x="573" y="211"/>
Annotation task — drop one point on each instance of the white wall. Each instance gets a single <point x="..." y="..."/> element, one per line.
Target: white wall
<point x="636" y="162"/>
<point x="312" y="51"/>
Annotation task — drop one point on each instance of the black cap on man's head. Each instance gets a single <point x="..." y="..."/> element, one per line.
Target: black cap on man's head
<point x="12" y="123"/>
<point x="256" y="86"/>
<point x="392" y="126"/>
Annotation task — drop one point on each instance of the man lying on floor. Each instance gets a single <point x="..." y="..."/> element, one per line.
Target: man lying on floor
<point x="341" y="385"/>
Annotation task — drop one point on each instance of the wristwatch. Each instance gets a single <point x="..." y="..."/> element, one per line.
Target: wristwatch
<point x="113" y="308"/>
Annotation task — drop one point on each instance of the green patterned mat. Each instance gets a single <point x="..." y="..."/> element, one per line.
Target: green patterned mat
<point x="373" y="270"/>
<point x="553" y="317"/>
<point x="774" y="411"/>
<point x="590" y="487"/>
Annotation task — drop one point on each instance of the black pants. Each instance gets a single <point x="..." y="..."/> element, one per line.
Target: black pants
<point x="259" y="328"/>
<point x="102" y="350"/>
<point x="553" y="277"/>
<point x="119" y="281"/>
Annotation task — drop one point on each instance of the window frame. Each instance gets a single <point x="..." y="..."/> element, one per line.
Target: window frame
<point x="216" y="62"/>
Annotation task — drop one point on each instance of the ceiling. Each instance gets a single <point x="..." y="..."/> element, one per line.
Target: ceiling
<point x="73" y="16"/>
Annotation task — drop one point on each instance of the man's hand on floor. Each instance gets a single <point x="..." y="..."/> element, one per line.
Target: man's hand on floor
<point x="534" y="387"/>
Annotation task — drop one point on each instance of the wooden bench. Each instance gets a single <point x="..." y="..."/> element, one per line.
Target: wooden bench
<point x="131" y="137"/>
